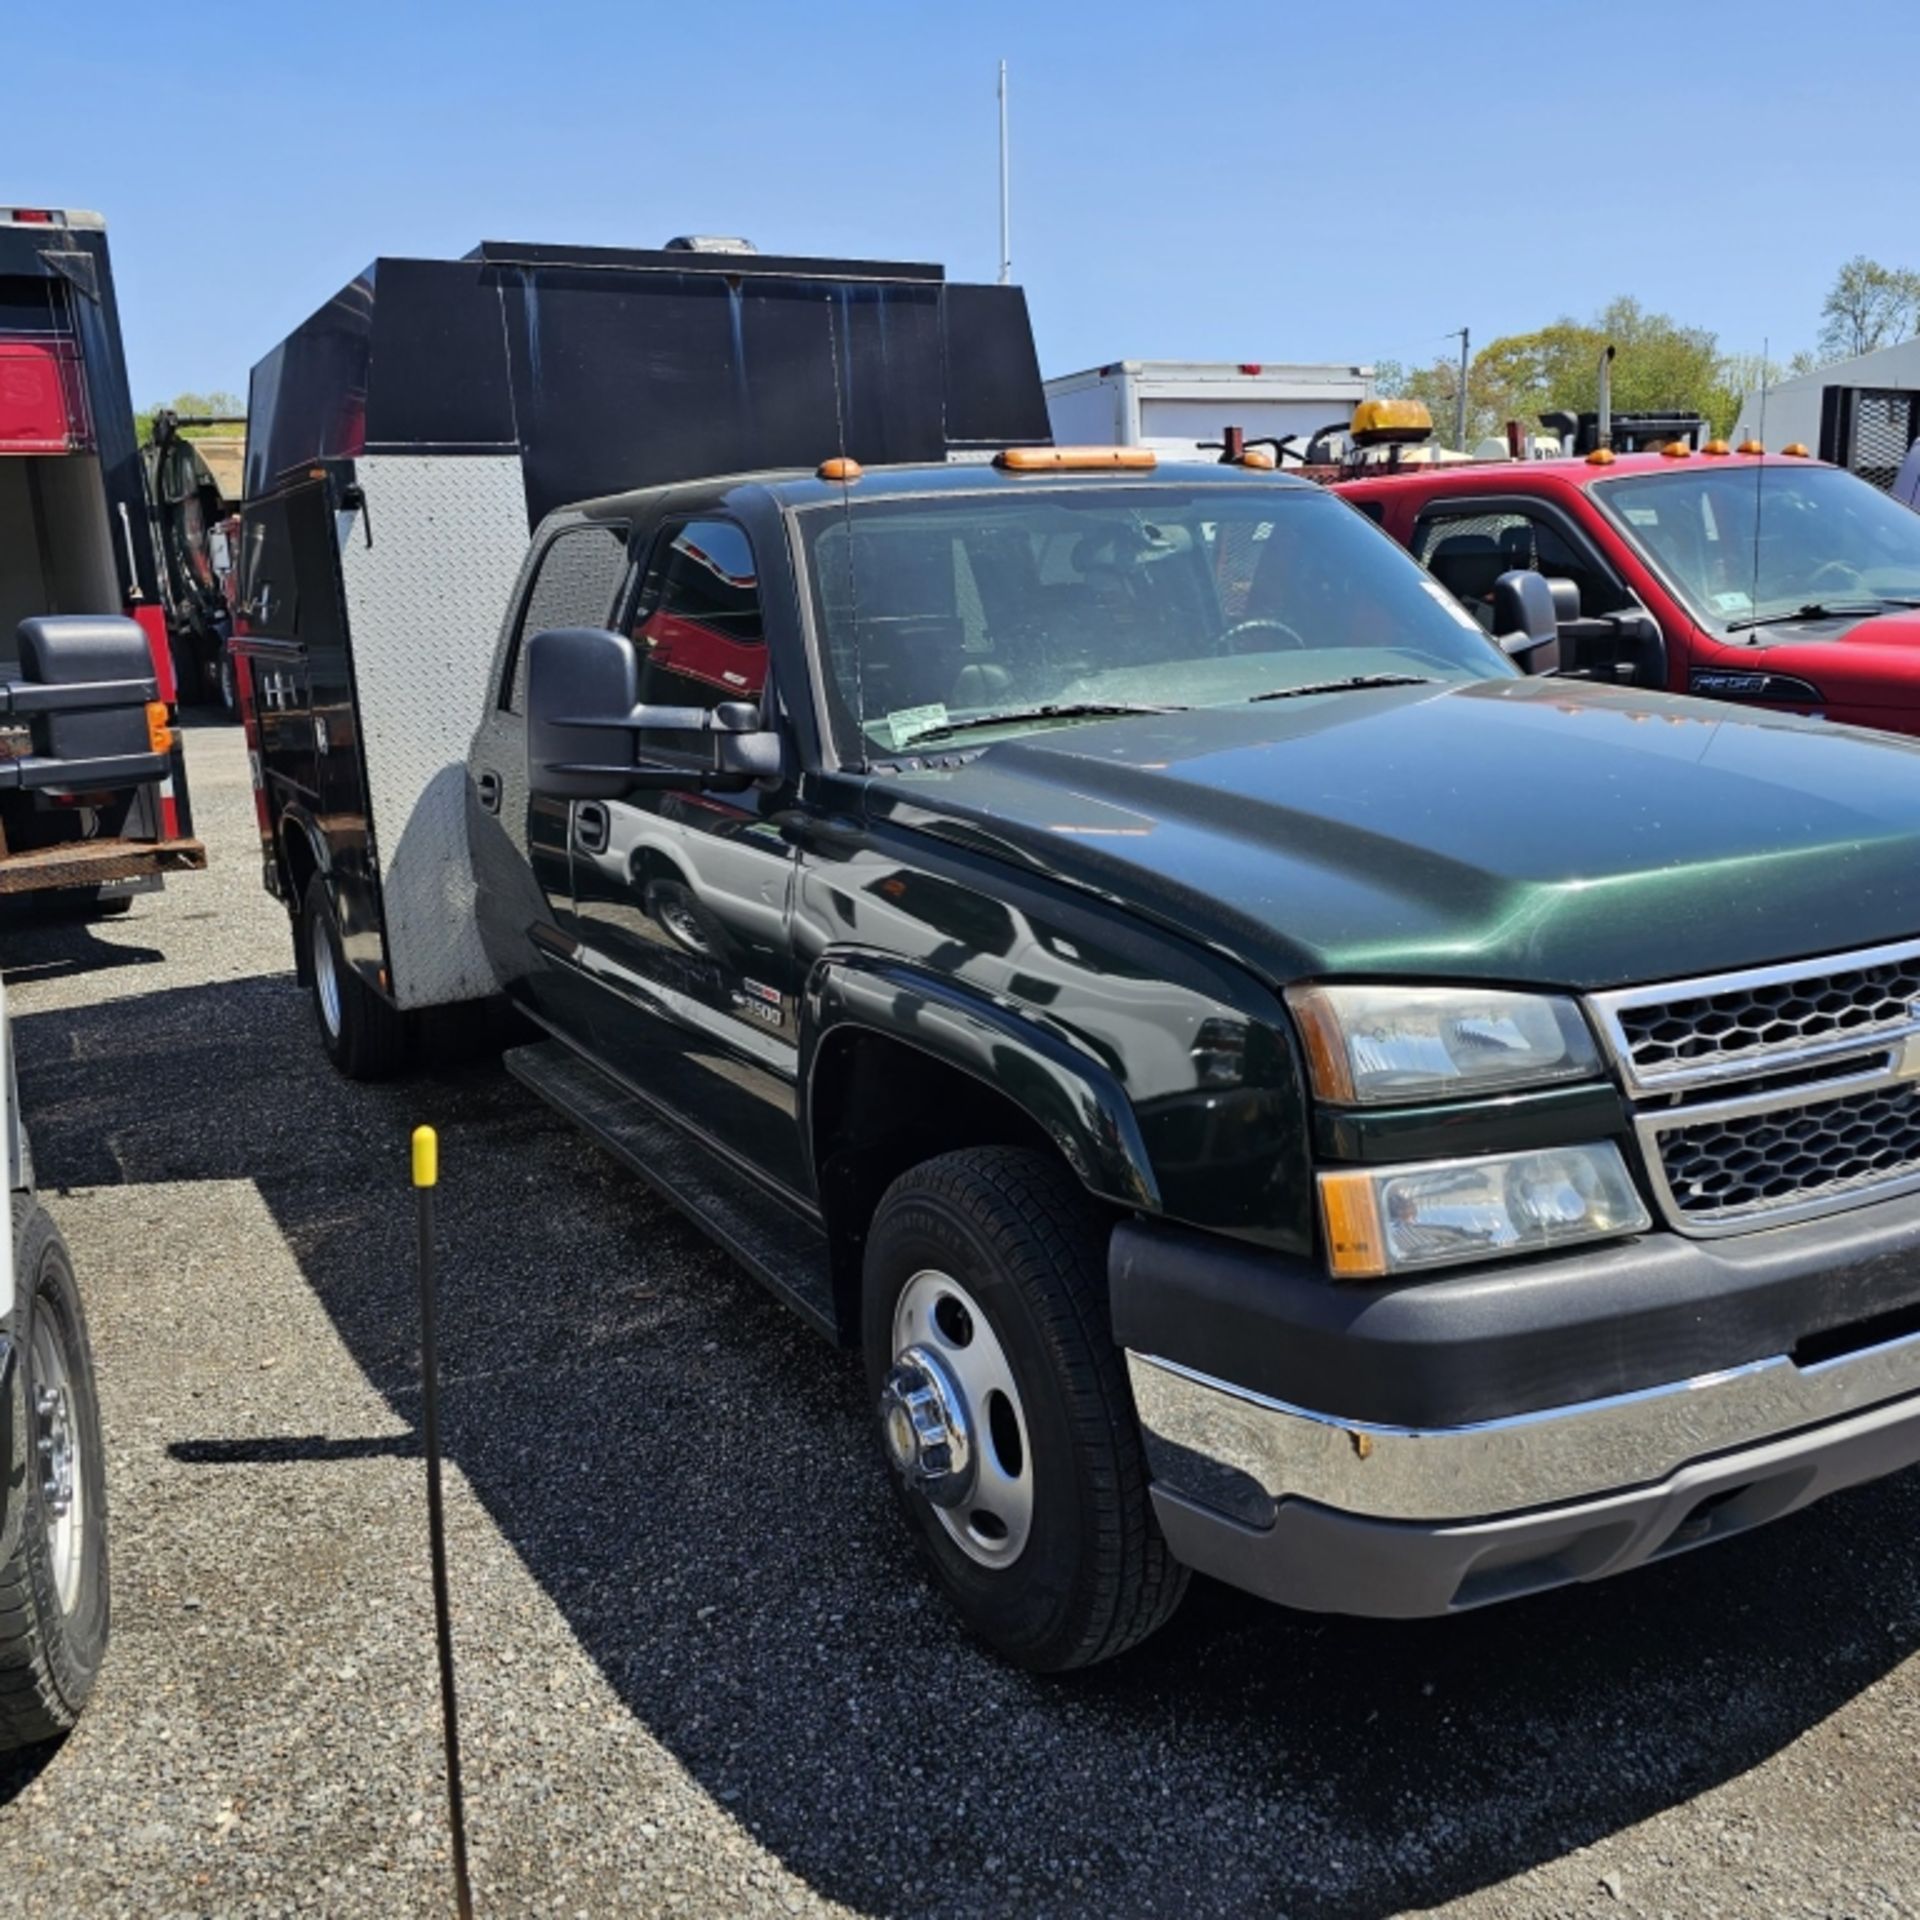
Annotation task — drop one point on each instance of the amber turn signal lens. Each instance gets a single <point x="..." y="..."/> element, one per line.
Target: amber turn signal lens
<point x="1327" y="1063"/>
<point x="159" y="734"/>
<point x="1074" y="459"/>
<point x="1356" y="1248"/>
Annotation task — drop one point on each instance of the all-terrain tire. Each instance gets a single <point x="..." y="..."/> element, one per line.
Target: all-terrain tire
<point x="50" y="1649"/>
<point x="365" y="1036"/>
<point x="1027" y="1244"/>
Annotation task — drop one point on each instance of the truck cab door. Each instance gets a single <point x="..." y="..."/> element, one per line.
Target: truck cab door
<point x="683" y="895"/>
<point x="521" y="842"/>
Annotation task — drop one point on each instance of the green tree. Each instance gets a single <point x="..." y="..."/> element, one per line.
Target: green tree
<point x="1659" y="364"/>
<point x="1869" y="306"/>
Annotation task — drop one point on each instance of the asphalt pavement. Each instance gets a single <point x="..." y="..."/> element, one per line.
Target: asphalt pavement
<point x="701" y="1673"/>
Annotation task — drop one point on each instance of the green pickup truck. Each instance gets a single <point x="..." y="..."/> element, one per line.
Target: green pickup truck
<point x="1272" y="1085"/>
<point x="1274" y="1088"/>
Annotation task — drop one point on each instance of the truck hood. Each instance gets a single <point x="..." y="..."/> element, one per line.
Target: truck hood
<point x="1534" y="831"/>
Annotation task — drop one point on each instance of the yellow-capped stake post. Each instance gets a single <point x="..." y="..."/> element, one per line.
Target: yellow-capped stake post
<point x="426" y="1175"/>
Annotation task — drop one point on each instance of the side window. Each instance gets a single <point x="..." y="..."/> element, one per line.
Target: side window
<point x="1468" y="552"/>
<point x="698" y="624"/>
<point x="574" y="585"/>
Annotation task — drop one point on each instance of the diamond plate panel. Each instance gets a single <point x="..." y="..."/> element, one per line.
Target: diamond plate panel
<point x="425" y="605"/>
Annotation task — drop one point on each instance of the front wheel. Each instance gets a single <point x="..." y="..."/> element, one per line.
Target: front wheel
<point x="1004" y="1408"/>
<point x="365" y="1036"/>
<point x="54" y="1590"/>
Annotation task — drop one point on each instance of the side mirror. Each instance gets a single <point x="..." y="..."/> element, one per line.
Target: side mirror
<point x="583" y="723"/>
<point x="1642" y="640"/>
<point x="1566" y="601"/>
<point x="1526" y="621"/>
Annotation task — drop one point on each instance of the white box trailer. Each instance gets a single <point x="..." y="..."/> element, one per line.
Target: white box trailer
<point x="1177" y="406"/>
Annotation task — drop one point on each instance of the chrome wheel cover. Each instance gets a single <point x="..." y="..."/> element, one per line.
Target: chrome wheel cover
<point x="326" y="978"/>
<point x="950" y="1367"/>
<point x="58" y="1461"/>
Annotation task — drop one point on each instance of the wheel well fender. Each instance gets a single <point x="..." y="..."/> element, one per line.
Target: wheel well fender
<point x="897" y="1065"/>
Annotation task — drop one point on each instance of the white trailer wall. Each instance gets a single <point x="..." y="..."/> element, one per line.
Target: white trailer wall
<point x="1177" y="406"/>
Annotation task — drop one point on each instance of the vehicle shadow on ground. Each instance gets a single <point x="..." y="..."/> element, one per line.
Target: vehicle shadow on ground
<point x="45" y="944"/>
<point x="691" y="1478"/>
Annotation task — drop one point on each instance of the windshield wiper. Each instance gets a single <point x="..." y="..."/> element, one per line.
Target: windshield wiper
<point x="1342" y="686"/>
<point x="1813" y="610"/>
<point x="1054" y="710"/>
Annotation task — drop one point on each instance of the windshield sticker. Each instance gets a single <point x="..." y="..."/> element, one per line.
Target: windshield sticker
<point x="1644" y="516"/>
<point x="1735" y="602"/>
<point x="1452" y="605"/>
<point x="908" y="723"/>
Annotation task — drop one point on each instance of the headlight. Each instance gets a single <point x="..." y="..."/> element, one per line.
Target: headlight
<point x="1383" y="1220"/>
<point x="1367" y="1046"/>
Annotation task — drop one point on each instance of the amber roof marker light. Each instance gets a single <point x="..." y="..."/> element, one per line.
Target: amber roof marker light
<point x="839" y="468"/>
<point x="1751" y="446"/>
<point x="1076" y="459"/>
<point x="1797" y="450"/>
<point x="1718" y="448"/>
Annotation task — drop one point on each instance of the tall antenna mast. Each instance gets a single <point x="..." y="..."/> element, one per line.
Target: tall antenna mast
<point x="1460" y="393"/>
<point x="1006" y="234"/>
<point x="1759" y="483"/>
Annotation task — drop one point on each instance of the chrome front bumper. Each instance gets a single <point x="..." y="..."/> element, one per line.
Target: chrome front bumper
<point x="1354" y="1516"/>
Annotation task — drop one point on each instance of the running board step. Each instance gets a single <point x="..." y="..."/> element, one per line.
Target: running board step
<point x="781" y="1248"/>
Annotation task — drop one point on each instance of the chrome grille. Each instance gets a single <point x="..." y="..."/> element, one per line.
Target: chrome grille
<point x="1749" y="1023"/>
<point x="1777" y="1093"/>
<point x="1757" y="1163"/>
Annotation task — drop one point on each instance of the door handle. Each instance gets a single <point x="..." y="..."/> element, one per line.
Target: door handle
<point x="488" y="787"/>
<point x="591" y="827"/>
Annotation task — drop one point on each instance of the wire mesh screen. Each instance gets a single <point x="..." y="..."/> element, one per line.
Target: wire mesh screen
<point x="1886" y="422"/>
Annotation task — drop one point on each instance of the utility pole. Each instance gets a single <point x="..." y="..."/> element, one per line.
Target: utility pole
<point x="1006" y="240"/>
<point x="1460" y="397"/>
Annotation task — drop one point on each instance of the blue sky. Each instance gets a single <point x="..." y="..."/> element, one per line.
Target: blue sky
<point x="1261" y="182"/>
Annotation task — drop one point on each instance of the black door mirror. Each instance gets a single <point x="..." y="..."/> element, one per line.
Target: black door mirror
<point x="1642" y="642"/>
<point x="584" y="723"/>
<point x="1566" y="600"/>
<point x="1525" y="621"/>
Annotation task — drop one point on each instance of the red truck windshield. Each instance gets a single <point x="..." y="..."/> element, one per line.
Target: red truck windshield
<point x="1748" y="544"/>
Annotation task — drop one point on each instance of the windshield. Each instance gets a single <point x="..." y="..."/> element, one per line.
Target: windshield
<point x="1825" y="539"/>
<point x="972" y="612"/>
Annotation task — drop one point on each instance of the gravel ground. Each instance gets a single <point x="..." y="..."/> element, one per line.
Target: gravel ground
<point x="700" y="1673"/>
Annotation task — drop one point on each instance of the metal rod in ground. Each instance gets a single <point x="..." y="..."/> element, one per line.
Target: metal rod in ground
<point x="426" y="1171"/>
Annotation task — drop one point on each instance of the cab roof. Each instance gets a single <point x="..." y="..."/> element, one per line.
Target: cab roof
<point x="1492" y="476"/>
<point x="794" y="489"/>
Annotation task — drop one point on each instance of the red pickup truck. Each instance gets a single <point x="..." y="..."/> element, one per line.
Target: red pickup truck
<point x="1768" y="579"/>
